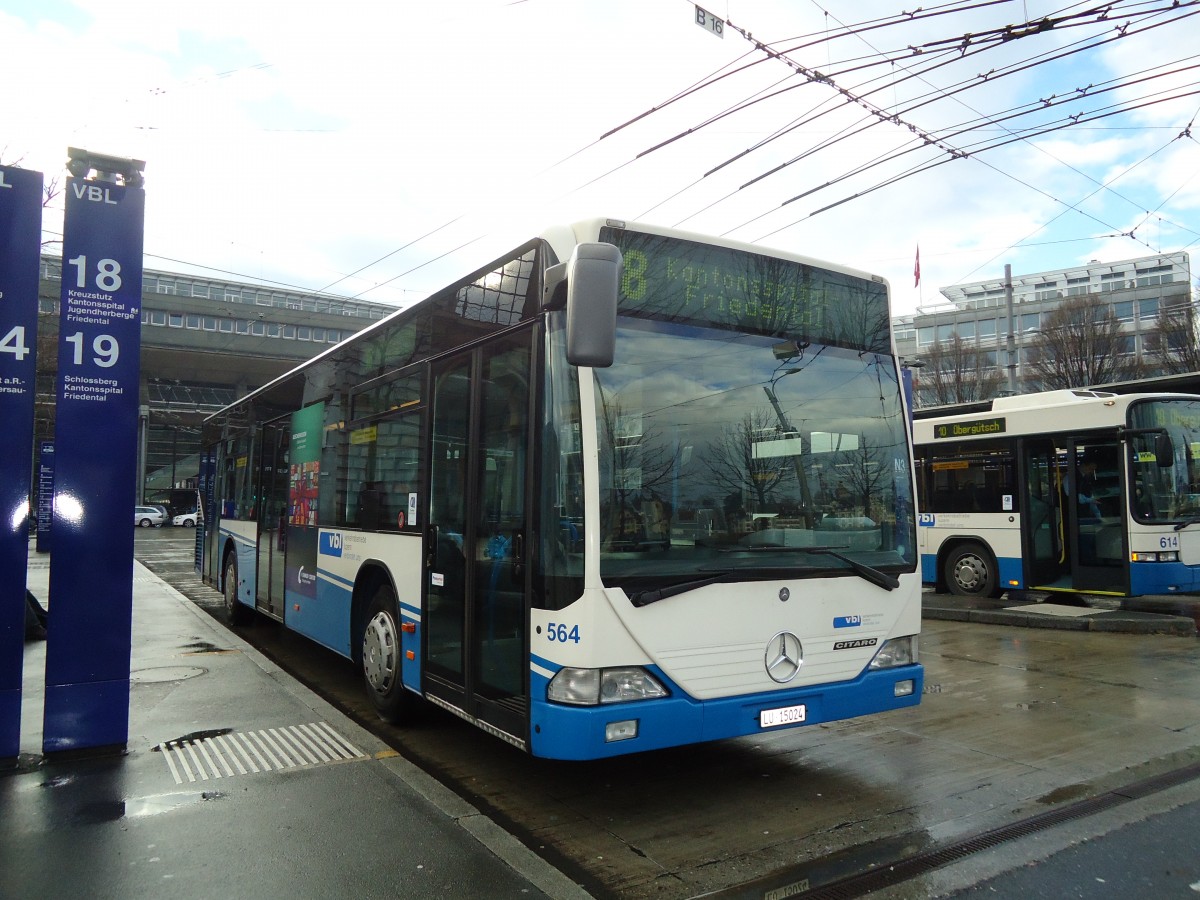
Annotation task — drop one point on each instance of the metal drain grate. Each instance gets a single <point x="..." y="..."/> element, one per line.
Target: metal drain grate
<point x="210" y="755"/>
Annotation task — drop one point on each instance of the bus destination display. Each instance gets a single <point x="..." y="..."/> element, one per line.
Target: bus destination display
<point x="703" y="284"/>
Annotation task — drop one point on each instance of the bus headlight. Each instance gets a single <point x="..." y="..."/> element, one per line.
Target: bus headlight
<point x="591" y="687"/>
<point x="896" y="652"/>
<point x="1154" y="556"/>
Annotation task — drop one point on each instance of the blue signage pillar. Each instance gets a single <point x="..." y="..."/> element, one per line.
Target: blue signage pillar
<point x="20" y="247"/>
<point x="95" y="449"/>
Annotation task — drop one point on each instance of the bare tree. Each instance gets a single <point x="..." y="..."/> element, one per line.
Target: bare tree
<point x="1174" y="343"/>
<point x="51" y="191"/>
<point x="733" y="466"/>
<point x="859" y="318"/>
<point x="635" y="463"/>
<point x="1081" y="344"/>
<point x="956" y="372"/>
<point x="865" y="470"/>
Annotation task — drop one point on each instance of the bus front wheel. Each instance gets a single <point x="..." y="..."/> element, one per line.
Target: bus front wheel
<point x="971" y="571"/>
<point x="236" y="612"/>
<point x="381" y="657"/>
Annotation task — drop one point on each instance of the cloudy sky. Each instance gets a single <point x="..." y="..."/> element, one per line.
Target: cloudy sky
<point x="381" y="149"/>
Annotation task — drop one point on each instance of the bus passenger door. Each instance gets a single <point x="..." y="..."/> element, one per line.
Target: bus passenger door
<point x="1097" y="517"/>
<point x="1043" y="528"/>
<point x="271" y="513"/>
<point x="477" y="546"/>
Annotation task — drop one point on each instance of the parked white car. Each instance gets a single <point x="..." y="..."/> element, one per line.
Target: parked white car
<point x="187" y="520"/>
<point x="145" y="516"/>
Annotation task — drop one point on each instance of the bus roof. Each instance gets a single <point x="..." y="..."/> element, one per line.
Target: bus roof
<point x="561" y="239"/>
<point x="1046" y="412"/>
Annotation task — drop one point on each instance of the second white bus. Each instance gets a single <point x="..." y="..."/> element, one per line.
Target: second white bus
<point x="1072" y="491"/>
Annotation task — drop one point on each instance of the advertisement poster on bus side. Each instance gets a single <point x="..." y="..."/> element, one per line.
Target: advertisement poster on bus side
<point x="304" y="478"/>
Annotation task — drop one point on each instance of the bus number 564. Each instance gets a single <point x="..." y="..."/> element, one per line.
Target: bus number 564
<point x="559" y="633"/>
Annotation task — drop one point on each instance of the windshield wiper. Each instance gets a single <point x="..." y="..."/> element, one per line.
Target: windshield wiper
<point x="777" y="548"/>
<point x="645" y="598"/>
<point x="1195" y="520"/>
<point x="880" y="579"/>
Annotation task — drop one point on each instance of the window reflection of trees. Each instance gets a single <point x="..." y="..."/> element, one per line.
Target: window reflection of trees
<point x="638" y="466"/>
<point x="687" y="435"/>
<point x="734" y="467"/>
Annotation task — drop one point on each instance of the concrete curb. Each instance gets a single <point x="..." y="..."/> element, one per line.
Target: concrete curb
<point x="1107" y="621"/>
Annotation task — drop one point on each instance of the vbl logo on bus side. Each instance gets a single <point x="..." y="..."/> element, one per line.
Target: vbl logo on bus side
<point x="331" y="543"/>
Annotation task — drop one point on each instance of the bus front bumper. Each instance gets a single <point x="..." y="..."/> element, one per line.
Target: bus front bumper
<point x="587" y="732"/>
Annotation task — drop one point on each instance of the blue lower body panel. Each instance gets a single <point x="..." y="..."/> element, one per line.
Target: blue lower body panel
<point x="1163" y="578"/>
<point x="1010" y="570"/>
<point x="326" y="617"/>
<point x="578" y="732"/>
<point x="1011" y="578"/>
<point x="929" y="571"/>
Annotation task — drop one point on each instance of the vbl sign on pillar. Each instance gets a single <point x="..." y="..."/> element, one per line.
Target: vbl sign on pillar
<point x="95" y="481"/>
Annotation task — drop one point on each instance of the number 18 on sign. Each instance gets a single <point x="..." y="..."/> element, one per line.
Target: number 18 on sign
<point x="96" y="429"/>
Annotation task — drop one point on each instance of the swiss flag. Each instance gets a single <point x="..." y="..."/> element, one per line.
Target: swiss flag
<point x="917" y="268"/>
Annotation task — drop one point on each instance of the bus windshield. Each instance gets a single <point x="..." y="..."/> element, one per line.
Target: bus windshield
<point x="726" y="452"/>
<point x="1166" y="492"/>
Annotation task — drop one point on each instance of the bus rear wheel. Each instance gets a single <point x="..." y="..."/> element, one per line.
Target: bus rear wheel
<point x="381" y="657"/>
<point x="971" y="571"/>
<point x="237" y="613"/>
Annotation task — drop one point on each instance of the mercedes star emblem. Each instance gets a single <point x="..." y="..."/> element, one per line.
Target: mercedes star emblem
<point x="784" y="657"/>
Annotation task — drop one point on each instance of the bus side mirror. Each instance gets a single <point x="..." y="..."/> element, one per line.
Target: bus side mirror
<point x="1164" y="450"/>
<point x="593" y="282"/>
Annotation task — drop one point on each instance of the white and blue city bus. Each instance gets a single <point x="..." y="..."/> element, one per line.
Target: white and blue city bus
<point x="1078" y="491"/>
<point x="624" y="488"/>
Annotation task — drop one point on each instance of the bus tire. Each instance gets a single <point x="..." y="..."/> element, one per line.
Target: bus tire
<point x="236" y="612"/>
<point x="381" y="658"/>
<point x="970" y="571"/>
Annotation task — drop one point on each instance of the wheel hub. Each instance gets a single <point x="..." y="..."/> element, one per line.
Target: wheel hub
<point x="230" y="588"/>
<point x="379" y="653"/>
<point x="970" y="573"/>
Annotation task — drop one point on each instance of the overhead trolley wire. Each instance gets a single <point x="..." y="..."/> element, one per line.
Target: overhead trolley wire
<point x="390" y="254"/>
<point x="960" y="154"/>
<point x="876" y="116"/>
<point x="940" y="162"/>
<point x="938" y="52"/>
<point x="1091" y="91"/>
<point x="725" y="72"/>
<point x="1045" y="225"/>
<point x="897" y="120"/>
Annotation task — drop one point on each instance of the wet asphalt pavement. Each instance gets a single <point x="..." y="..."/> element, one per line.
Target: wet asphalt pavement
<point x="1017" y="722"/>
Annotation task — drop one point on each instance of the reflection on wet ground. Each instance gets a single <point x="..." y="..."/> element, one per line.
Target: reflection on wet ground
<point x="1014" y="722"/>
